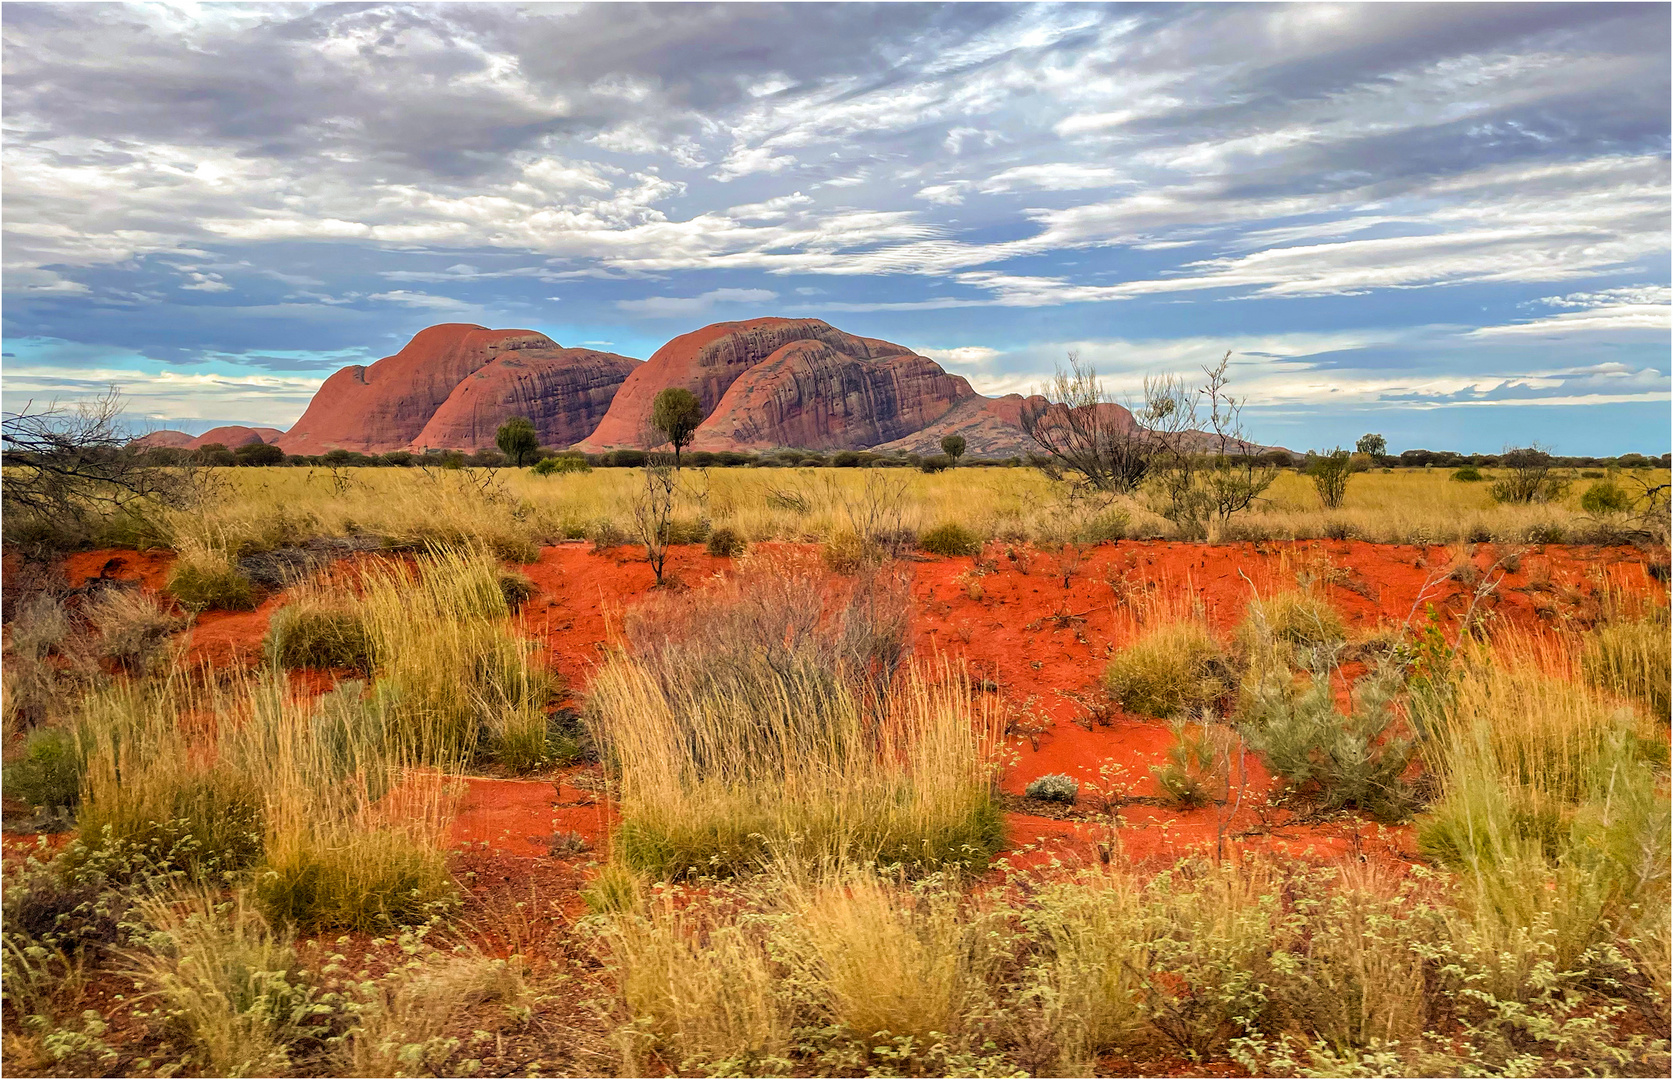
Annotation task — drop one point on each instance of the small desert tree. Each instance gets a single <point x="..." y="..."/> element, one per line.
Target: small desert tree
<point x="1529" y="477"/>
<point x="1087" y="439"/>
<point x="953" y="446"/>
<point x="517" y="439"/>
<point x="675" y="413"/>
<point x="1202" y="475"/>
<point x="1374" y="445"/>
<point x="1330" y="474"/>
<point x="653" y="515"/>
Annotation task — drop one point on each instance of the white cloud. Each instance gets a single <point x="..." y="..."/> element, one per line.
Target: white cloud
<point x="1596" y="313"/>
<point x="430" y="301"/>
<point x="659" y="307"/>
<point x="1062" y="176"/>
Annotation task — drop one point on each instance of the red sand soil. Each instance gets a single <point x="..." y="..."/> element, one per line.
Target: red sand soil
<point x="1038" y="638"/>
<point x="150" y="568"/>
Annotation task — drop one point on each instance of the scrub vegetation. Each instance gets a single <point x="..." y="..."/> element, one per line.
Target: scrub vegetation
<point x="825" y="839"/>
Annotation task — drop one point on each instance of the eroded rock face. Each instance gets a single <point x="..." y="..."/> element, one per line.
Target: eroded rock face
<point x="387" y="405"/>
<point x="565" y="392"/>
<point x="812" y="395"/>
<point x="783" y="382"/>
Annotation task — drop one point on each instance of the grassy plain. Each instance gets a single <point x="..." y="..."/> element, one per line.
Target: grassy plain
<point x="514" y="509"/>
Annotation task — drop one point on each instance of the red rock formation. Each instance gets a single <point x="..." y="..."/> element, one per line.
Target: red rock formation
<point x="165" y="437"/>
<point x="385" y="406"/>
<point x="235" y="435"/>
<point x="830" y="390"/>
<point x="811" y="395"/>
<point x="565" y="392"/>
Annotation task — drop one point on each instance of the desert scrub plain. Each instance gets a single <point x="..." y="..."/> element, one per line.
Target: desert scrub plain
<point x="409" y="772"/>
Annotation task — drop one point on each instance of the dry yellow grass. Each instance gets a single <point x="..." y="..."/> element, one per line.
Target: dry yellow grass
<point x="511" y="510"/>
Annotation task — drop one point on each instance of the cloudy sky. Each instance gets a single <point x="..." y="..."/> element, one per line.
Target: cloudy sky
<point x="1446" y="223"/>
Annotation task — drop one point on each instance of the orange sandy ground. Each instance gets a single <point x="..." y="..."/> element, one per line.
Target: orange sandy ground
<point x="1037" y="625"/>
<point x="1035" y="635"/>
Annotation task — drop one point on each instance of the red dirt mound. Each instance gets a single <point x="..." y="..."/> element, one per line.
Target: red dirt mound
<point x="385" y="406"/>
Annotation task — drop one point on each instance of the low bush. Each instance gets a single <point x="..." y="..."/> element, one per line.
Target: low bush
<point x="517" y="589"/>
<point x="951" y="539"/>
<point x="1055" y="787"/>
<point x="317" y="636"/>
<point x="1298" y="617"/>
<point x="1354" y="760"/>
<point x="848" y="554"/>
<point x="1176" y="668"/>
<point x="725" y="543"/>
<point x="48" y="772"/>
<point x="936" y="463"/>
<point x="561" y="465"/>
<point x="211" y="585"/>
<point x="1605" y="497"/>
<point x="1199" y="766"/>
<point x="1469" y="474"/>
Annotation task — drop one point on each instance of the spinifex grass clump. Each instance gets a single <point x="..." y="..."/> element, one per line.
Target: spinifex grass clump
<point x="1175" y="668"/>
<point x="155" y="784"/>
<point x="766" y="719"/>
<point x="453" y="681"/>
<point x="1554" y="812"/>
<point x="310" y="796"/>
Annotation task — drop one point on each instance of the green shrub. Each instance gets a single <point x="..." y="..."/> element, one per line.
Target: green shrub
<point x="48" y="775"/>
<point x="1605" y="497"/>
<point x="314" y="637"/>
<point x="1296" y="617"/>
<point x="561" y="464"/>
<point x="211" y="586"/>
<point x="951" y="539"/>
<point x="1104" y="528"/>
<point x="1199" y="764"/>
<point x="725" y="543"/>
<point x="606" y="534"/>
<point x="1357" y="760"/>
<point x="1053" y="788"/>
<point x="1469" y="474"/>
<point x="936" y="463"/>
<point x="1173" y="669"/>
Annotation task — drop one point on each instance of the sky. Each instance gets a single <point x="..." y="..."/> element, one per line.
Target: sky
<point x="1448" y="224"/>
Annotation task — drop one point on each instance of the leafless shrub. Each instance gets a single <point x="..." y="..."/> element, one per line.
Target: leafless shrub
<point x="68" y="466"/>
<point x="1087" y="440"/>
